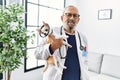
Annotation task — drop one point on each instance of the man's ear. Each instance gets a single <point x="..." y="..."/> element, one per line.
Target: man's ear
<point x="61" y="18"/>
<point x="78" y="20"/>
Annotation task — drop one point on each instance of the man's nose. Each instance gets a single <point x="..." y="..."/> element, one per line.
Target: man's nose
<point x="72" y="17"/>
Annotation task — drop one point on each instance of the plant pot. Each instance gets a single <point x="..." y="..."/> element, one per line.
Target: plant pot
<point x="1" y="76"/>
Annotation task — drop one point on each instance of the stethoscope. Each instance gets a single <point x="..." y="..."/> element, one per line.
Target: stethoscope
<point x="46" y="30"/>
<point x="81" y="46"/>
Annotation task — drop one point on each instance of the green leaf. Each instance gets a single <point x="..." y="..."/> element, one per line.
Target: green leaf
<point x="13" y="35"/>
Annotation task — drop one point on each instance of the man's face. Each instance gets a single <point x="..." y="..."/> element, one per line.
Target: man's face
<point x="70" y="18"/>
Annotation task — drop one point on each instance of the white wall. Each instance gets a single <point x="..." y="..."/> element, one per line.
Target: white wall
<point x="103" y="35"/>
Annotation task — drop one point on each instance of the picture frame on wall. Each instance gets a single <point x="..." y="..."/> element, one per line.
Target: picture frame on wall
<point x="105" y="14"/>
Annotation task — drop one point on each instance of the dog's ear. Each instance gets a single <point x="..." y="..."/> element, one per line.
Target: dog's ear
<point x="38" y="30"/>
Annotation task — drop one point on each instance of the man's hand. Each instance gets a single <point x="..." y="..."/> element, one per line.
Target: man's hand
<point x="55" y="43"/>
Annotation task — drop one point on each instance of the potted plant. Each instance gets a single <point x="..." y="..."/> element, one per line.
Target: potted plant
<point x="13" y="35"/>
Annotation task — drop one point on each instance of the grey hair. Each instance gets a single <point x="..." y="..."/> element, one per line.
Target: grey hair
<point x="69" y="7"/>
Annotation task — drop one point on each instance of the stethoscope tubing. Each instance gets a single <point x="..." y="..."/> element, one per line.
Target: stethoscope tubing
<point x="81" y="47"/>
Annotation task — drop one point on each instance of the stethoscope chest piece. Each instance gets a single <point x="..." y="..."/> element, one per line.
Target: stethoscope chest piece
<point x="81" y="48"/>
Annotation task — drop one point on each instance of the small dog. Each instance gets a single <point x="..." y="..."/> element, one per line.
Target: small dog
<point x="54" y="59"/>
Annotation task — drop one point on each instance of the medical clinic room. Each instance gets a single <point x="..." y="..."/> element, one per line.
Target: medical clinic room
<point x="59" y="39"/>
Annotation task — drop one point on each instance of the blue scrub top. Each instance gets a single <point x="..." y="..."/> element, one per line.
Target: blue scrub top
<point x="72" y="63"/>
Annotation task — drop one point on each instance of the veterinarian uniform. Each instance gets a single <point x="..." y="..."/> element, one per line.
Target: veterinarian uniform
<point x="43" y="52"/>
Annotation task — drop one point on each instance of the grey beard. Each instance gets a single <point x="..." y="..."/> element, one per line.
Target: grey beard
<point x="70" y="28"/>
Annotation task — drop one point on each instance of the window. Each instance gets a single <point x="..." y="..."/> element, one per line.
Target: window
<point x="36" y="12"/>
<point x="1" y="2"/>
